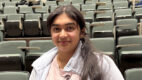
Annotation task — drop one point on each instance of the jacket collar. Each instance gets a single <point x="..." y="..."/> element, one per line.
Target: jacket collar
<point x="44" y="60"/>
<point x="74" y="64"/>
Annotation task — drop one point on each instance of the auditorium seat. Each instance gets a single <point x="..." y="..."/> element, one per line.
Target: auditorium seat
<point x="123" y="13"/>
<point x="77" y="1"/>
<point x="1" y="29"/>
<point x="13" y="4"/>
<point x="104" y="15"/>
<point x="38" y="47"/>
<point x="140" y="27"/>
<point x="10" y="10"/>
<point x="121" y="5"/>
<point x="126" y="27"/>
<point x="11" y="57"/>
<point x="133" y="74"/>
<point x="119" y="0"/>
<point x="88" y="7"/>
<point x="45" y="31"/>
<point x="4" y="1"/>
<point x="42" y="9"/>
<point x="17" y="1"/>
<point x="108" y="1"/>
<point x="65" y="2"/>
<point x="1" y="7"/>
<point x="49" y="3"/>
<point x="102" y="29"/>
<point x="14" y="75"/>
<point x="91" y="1"/>
<point x="10" y="62"/>
<point x="129" y="50"/>
<point x="88" y="16"/>
<point x="13" y="26"/>
<point x="24" y="9"/>
<point x="31" y="25"/>
<point x="99" y="44"/>
<point x="138" y="13"/>
<point x="104" y="6"/>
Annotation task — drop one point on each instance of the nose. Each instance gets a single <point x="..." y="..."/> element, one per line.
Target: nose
<point x="63" y="34"/>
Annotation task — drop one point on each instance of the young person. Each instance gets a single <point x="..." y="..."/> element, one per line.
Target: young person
<point x="73" y="58"/>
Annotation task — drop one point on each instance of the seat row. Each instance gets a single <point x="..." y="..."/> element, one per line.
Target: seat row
<point x="35" y="26"/>
<point x="126" y="53"/>
<point x="130" y="74"/>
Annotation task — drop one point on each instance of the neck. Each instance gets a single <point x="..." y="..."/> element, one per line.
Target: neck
<point x="63" y="58"/>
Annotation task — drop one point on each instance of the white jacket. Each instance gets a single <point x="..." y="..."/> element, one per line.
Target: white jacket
<point x="42" y="65"/>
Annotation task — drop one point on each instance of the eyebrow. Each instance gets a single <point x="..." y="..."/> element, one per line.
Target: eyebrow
<point x="71" y="23"/>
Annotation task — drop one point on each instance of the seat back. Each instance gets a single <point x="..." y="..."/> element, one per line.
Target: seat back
<point x="131" y="40"/>
<point x="11" y="47"/>
<point x="44" y="45"/>
<point x="32" y="26"/>
<point x="13" y="75"/>
<point x="99" y="44"/>
<point x="133" y="74"/>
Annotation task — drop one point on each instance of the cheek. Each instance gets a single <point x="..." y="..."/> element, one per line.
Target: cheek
<point x="75" y="36"/>
<point x="54" y="37"/>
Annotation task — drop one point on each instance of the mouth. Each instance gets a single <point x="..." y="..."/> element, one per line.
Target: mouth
<point x="64" y="42"/>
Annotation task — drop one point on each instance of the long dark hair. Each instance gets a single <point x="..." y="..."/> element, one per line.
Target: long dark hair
<point x="91" y="66"/>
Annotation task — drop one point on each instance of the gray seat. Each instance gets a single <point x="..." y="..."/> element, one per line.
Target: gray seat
<point x="17" y="1"/>
<point x="41" y="46"/>
<point x="104" y="15"/>
<point x="77" y="1"/>
<point x="42" y="9"/>
<point x="13" y="26"/>
<point x="10" y="10"/>
<point x="129" y="50"/>
<point x="102" y="29"/>
<point x="138" y="13"/>
<point x="126" y="27"/>
<point x="88" y="16"/>
<point x="123" y="13"/>
<point x="88" y="7"/>
<point x="121" y="5"/>
<point x="45" y="31"/>
<point x="4" y="1"/>
<point x="1" y="7"/>
<point x="25" y="9"/>
<point x="105" y="6"/>
<point x="14" y="75"/>
<point x="1" y="29"/>
<point x="133" y="74"/>
<point x="11" y="57"/>
<point x="50" y="3"/>
<point x="91" y="1"/>
<point x="64" y="2"/>
<point x="99" y="43"/>
<point x="32" y="26"/>
<point x="108" y="1"/>
<point x="119" y="0"/>
<point x="13" y="4"/>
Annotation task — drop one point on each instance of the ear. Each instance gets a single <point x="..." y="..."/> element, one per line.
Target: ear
<point x="83" y="33"/>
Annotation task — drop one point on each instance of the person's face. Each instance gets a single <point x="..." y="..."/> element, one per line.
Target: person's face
<point x="65" y="33"/>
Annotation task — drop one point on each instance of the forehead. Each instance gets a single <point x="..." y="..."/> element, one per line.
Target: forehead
<point x="63" y="19"/>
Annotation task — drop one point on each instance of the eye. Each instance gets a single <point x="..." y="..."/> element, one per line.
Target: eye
<point x="56" y="29"/>
<point x="70" y="28"/>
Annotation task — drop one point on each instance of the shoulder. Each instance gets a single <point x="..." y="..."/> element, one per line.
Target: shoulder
<point x="109" y="69"/>
<point x="45" y="59"/>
